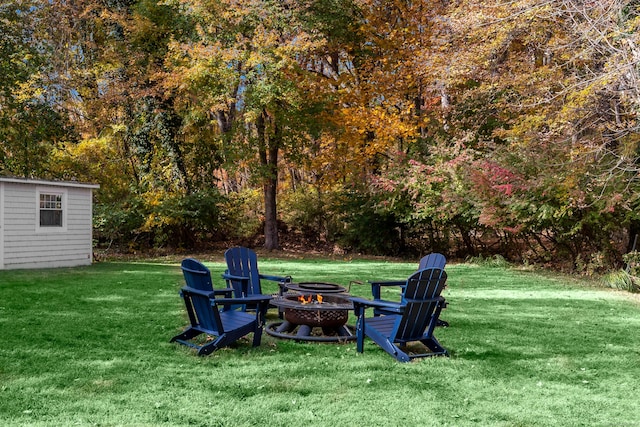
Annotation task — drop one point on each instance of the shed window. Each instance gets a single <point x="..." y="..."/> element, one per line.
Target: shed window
<point x="51" y="210"/>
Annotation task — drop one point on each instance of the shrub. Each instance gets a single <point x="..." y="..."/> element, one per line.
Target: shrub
<point x="622" y="280"/>
<point x="185" y="220"/>
<point x="497" y="261"/>
<point x="361" y="225"/>
<point x="305" y="210"/>
<point x="160" y="219"/>
<point x="242" y="214"/>
<point x="117" y="223"/>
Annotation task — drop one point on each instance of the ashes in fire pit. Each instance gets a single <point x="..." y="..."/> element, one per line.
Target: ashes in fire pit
<point x="312" y="317"/>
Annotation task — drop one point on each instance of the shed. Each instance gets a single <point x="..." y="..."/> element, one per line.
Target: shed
<point x="45" y="223"/>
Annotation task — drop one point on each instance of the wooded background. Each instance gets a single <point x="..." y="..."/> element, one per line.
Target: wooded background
<point x="389" y="127"/>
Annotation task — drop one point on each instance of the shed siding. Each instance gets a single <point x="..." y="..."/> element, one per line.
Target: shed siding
<point x="27" y="247"/>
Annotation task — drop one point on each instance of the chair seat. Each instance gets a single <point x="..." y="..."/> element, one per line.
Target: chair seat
<point x="234" y="319"/>
<point x="383" y="324"/>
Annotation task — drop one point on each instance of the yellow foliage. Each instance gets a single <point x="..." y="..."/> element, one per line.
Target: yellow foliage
<point x="96" y="160"/>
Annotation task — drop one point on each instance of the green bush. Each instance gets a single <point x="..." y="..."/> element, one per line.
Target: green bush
<point x="242" y="214"/>
<point x="622" y="280"/>
<point x="305" y="210"/>
<point x="160" y="220"/>
<point x="186" y="220"/>
<point x="496" y="261"/>
<point x="118" y="223"/>
<point x="360" y="225"/>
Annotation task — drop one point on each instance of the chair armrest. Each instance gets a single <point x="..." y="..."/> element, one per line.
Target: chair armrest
<point x="394" y="303"/>
<point x="244" y="282"/>
<point x="226" y="291"/>
<point x="375" y="286"/>
<point x="394" y="306"/>
<point x="360" y="306"/>
<point x="439" y="300"/>
<point x="285" y="279"/>
<point x="390" y="283"/>
<point x="228" y="276"/>
<point x="190" y="290"/>
<point x="362" y="302"/>
<point x="244" y="300"/>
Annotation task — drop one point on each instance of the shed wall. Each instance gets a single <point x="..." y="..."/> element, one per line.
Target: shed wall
<point x="28" y="246"/>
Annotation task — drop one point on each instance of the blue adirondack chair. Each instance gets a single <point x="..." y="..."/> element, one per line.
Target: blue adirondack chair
<point x="242" y="272"/>
<point x="414" y="319"/>
<point x="432" y="260"/>
<point x="214" y="316"/>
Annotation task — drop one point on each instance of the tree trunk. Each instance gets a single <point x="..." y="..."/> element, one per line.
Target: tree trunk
<point x="634" y="230"/>
<point x="270" y="215"/>
<point x="269" y="160"/>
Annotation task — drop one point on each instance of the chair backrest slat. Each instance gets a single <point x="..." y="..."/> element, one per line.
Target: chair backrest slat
<point x="243" y="262"/>
<point x="205" y="313"/>
<point x="196" y="275"/>
<point x="433" y="260"/>
<point x="418" y="298"/>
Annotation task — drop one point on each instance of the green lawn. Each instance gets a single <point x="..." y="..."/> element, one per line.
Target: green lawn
<point x="89" y="346"/>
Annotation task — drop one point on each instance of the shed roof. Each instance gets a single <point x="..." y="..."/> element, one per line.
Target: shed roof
<point x="46" y="182"/>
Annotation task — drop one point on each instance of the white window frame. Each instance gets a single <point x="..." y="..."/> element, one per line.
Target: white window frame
<point x="65" y="210"/>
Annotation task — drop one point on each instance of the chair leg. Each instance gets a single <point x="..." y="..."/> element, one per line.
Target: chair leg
<point x="433" y="345"/>
<point x="393" y="350"/>
<point x="186" y="335"/>
<point x="208" y="348"/>
<point x="384" y="343"/>
<point x="360" y="335"/>
<point x="261" y="316"/>
<point x="257" y="336"/>
<point x="442" y="323"/>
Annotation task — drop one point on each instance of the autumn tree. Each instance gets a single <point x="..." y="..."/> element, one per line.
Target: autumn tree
<point x="245" y="71"/>
<point x="388" y="96"/>
<point x="541" y="99"/>
<point x="467" y="126"/>
<point x="32" y="124"/>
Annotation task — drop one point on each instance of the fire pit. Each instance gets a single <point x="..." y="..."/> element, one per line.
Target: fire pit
<point x="312" y="317"/>
<point x="313" y="287"/>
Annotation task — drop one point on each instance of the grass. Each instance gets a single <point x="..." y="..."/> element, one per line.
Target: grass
<point x="89" y="346"/>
